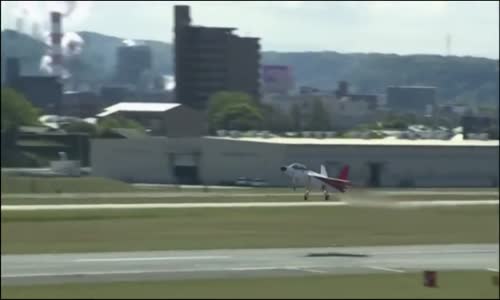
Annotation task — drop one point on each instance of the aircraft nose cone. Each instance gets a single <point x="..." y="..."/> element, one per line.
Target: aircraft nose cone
<point x="283" y="169"/>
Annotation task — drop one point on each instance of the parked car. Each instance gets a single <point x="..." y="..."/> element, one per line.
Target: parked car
<point x="244" y="181"/>
<point x="258" y="182"/>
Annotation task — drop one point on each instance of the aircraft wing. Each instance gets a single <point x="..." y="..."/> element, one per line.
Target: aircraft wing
<point x="339" y="184"/>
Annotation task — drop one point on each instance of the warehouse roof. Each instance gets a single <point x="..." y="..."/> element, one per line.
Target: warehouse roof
<point x="366" y="142"/>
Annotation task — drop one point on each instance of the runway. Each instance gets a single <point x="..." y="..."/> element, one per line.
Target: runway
<point x="157" y="265"/>
<point x="244" y="193"/>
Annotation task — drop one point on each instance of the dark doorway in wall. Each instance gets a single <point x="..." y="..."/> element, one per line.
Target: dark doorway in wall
<point x="186" y="174"/>
<point x="375" y="174"/>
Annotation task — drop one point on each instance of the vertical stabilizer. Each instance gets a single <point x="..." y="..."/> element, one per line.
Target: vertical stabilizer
<point x="323" y="171"/>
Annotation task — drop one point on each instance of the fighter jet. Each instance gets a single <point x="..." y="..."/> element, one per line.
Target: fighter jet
<point x="300" y="175"/>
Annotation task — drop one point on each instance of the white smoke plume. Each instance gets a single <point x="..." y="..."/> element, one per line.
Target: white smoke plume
<point x="169" y="82"/>
<point x="46" y="64"/>
<point x="72" y="44"/>
<point x="47" y="67"/>
<point x="33" y="18"/>
<point x="27" y="13"/>
<point x="130" y="43"/>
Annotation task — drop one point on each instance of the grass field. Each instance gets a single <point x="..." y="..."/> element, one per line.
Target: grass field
<point x="43" y="185"/>
<point x="164" y="229"/>
<point x="216" y="199"/>
<point x="451" y="285"/>
<point x="22" y="184"/>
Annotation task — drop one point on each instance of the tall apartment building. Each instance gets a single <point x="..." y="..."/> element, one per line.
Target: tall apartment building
<point x="212" y="59"/>
<point x="131" y="63"/>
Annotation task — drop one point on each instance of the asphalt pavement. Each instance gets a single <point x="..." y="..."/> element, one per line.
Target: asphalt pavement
<point x="160" y="265"/>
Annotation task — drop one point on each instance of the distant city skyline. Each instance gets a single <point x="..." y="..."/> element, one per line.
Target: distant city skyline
<point x="404" y="28"/>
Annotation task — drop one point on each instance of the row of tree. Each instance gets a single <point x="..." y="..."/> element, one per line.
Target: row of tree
<point x="17" y="111"/>
<point x="227" y="110"/>
<point x="238" y="111"/>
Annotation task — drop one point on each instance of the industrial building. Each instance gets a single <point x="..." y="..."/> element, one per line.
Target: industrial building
<point x="277" y="79"/>
<point x="132" y="63"/>
<point x="44" y="92"/>
<point x="377" y="163"/>
<point x="411" y="99"/>
<point x="80" y="104"/>
<point x="210" y="59"/>
<point x="161" y="119"/>
<point x="478" y="125"/>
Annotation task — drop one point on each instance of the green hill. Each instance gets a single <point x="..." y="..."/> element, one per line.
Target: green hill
<point x="462" y="79"/>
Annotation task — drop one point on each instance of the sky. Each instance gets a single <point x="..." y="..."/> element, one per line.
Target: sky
<point x="406" y="27"/>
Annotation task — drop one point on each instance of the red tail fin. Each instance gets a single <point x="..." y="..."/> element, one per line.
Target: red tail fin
<point x="344" y="173"/>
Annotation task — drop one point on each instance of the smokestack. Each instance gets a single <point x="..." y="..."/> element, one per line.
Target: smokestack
<point x="19" y="24"/>
<point x="56" y="38"/>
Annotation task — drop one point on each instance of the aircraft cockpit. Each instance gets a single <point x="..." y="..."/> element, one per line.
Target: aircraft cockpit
<point x="299" y="167"/>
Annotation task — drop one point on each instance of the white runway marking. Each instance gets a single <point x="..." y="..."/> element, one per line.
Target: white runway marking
<point x="438" y="192"/>
<point x="313" y="270"/>
<point x="386" y="269"/>
<point x="166" y="205"/>
<point x="141" y="195"/>
<point x="446" y="203"/>
<point x="408" y="204"/>
<point x="492" y="269"/>
<point x="132" y="272"/>
<point x="151" y="258"/>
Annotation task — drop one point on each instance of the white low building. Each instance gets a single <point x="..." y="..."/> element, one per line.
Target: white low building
<point x="374" y="162"/>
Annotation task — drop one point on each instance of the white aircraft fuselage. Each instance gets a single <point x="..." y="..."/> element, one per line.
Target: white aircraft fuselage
<point x="301" y="176"/>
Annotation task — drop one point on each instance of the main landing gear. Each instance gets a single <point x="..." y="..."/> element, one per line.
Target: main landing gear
<point x="325" y="193"/>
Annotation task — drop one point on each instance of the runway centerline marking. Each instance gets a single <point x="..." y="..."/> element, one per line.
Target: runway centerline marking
<point x="310" y="270"/>
<point x="386" y="269"/>
<point x="151" y="258"/>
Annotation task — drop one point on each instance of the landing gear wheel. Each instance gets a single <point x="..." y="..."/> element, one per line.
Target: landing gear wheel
<point x="327" y="197"/>
<point x="305" y="197"/>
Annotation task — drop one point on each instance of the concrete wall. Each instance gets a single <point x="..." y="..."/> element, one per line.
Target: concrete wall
<point x="422" y="165"/>
<point x="226" y="160"/>
<point x="149" y="160"/>
<point x="142" y="160"/>
<point x="152" y="159"/>
<point x="184" y="122"/>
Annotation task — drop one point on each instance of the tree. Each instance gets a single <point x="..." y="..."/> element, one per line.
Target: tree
<point x="318" y="119"/>
<point x="275" y="120"/>
<point x="17" y="111"/>
<point x="105" y="125"/>
<point x="233" y="110"/>
<point x="239" y="116"/>
<point x="398" y="121"/>
<point x="119" y="122"/>
<point x="81" y="127"/>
